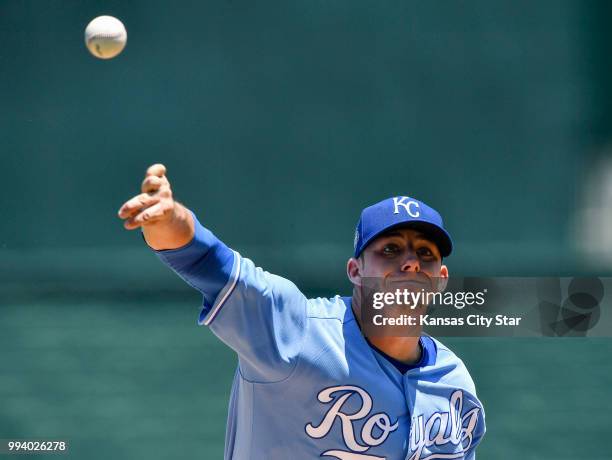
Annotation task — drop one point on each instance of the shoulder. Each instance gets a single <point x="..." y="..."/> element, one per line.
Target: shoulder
<point x="449" y="369"/>
<point x="335" y="308"/>
<point x="252" y="277"/>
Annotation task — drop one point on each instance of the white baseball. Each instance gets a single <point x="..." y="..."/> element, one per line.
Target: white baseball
<point x="105" y="37"/>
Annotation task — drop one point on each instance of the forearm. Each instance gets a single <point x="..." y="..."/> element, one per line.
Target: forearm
<point x="176" y="235"/>
<point x="204" y="262"/>
<point x="172" y="234"/>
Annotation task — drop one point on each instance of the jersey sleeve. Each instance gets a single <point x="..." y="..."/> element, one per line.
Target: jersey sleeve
<point x="444" y="388"/>
<point x="259" y="315"/>
<point x="474" y="426"/>
<point x="205" y="263"/>
<point x="457" y="379"/>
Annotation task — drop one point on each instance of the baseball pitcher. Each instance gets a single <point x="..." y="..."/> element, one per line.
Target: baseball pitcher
<point x="309" y="383"/>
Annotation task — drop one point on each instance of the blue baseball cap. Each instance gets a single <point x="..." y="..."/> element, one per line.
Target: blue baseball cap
<point x="401" y="211"/>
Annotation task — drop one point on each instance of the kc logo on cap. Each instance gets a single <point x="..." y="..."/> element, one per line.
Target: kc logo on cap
<point x="406" y="203"/>
<point x="401" y="211"/>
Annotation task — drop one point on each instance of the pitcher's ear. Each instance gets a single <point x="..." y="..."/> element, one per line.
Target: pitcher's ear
<point x="353" y="271"/>
<point x="443" y="278"/>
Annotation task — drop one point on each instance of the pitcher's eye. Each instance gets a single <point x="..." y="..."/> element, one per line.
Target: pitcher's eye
<point x="425" y="252"/>
<point x="390" y="249"/>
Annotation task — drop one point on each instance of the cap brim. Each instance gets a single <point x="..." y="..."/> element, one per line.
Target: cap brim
<point x="431" y="231"/>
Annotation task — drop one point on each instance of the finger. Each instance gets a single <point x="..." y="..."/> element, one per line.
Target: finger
<point x="157" y="169"/>
<point x="146" y="217"/>
<point x="138" y="203"/>
<point x="153" y="183"/>
<point x="129" y="224"/>
<point x="150" y="215"/>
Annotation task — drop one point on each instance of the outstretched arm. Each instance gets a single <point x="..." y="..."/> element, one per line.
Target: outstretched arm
<point x="181" y="242"/>
<point x="165" y="223"/>
<point x="260" y="315"/>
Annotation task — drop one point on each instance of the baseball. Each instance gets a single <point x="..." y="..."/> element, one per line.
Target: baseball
<point x="105" y="37"/>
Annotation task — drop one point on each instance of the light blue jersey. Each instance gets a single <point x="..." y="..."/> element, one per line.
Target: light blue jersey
<point x="308" y="384"/>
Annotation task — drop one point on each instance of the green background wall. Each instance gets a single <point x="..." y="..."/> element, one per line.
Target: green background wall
<point x="278" y="122"/>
